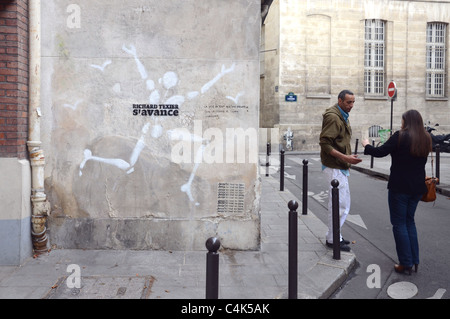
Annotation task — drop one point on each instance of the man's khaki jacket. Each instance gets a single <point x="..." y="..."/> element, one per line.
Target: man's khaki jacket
<point x="336" y="134"/>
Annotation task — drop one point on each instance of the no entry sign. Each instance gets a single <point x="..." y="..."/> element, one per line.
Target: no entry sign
<point x="392" y="88"/>
<point x="392" y="93"/>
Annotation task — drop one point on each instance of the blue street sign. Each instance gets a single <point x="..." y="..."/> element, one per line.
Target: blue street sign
<point x="291" y="97"/>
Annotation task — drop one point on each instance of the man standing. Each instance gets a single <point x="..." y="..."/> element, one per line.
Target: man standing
<point x="336" y="157"/>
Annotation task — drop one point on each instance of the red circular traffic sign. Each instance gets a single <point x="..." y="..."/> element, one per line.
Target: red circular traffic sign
<point x="392" y="88"/>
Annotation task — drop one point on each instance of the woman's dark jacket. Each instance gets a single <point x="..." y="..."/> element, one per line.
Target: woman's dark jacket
<point x="407" y="172"/>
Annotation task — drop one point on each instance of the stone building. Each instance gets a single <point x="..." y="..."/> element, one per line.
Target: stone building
<point x="313" y="49"/>
<point x="132" y="124"/>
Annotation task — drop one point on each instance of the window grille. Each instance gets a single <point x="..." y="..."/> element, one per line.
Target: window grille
<point x="373" y="130"/>
<point x="374" y="57"/>
<point x="436" y="50"/>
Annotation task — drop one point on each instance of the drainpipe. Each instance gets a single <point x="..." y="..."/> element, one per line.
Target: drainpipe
<point x="39" y="203"/>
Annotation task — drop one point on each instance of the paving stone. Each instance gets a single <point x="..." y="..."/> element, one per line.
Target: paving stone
<point x="102" y="287"/>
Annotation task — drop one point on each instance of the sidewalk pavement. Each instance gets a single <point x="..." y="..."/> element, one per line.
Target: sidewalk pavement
<point x="262" y="274"/>
<point x="131" y="274"/>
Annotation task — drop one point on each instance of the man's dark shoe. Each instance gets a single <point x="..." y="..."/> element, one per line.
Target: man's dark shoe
<point x="345" y="241"/>
<point x="342" y="245"/>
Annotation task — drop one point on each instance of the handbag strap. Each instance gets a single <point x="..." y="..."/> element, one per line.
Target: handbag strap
<point x="432" y="162"/>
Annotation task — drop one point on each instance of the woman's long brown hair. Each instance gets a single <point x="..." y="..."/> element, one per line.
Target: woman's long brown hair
<point x="420" y="139"/>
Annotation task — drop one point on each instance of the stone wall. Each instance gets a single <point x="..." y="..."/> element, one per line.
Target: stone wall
<point x="321" y="52"/>
<point x="150" y="122"/>
<point x="15" y="210"/>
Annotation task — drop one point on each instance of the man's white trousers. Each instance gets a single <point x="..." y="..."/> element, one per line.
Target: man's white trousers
<point x="344" y="199"/>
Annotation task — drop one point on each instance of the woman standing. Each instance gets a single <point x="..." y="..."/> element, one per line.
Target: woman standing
<point x="409" y="150"/>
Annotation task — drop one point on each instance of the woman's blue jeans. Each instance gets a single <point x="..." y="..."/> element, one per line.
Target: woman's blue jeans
<point x="402" y="208"/>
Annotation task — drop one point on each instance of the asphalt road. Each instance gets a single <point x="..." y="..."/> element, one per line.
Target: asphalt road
<point x="369" y="229"/>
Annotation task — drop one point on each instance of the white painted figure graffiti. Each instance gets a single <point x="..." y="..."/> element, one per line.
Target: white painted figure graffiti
<point x="168" y="81"/>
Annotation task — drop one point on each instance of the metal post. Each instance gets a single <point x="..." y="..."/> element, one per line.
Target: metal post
<point x="371" y="157"/>
<point x="305" y="188"/>
<point x="335" y="216"/>
<point x="282" y="170"/>
<point x="212" y="268"/>
<point x="392" y="110"/>
<point x="438" y="162"/>
<point x="293" y="263"/>
<point x="267" y="159"/>
<point x="356" y="146"/>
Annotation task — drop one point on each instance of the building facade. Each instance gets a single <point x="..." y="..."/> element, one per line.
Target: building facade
<point x="132" y="124"/>
<point x="15" y="170"/>
<point x="313" y="49"/>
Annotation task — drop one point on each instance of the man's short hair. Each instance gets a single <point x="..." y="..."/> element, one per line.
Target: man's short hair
<point x="344" y="93"/>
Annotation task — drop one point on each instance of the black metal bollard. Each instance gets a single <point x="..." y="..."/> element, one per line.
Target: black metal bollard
<point x="335" y="216"/>
<point x="356" y="146"/>
<point x="305" y="188"/>
<point x="267" y="159"/>
<point x="438" y="163"/>
<point x="292" y="262"/>
<point x="282" y="170"/>
<point x="371" y="157"/>
<point x="212" y="268"/>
